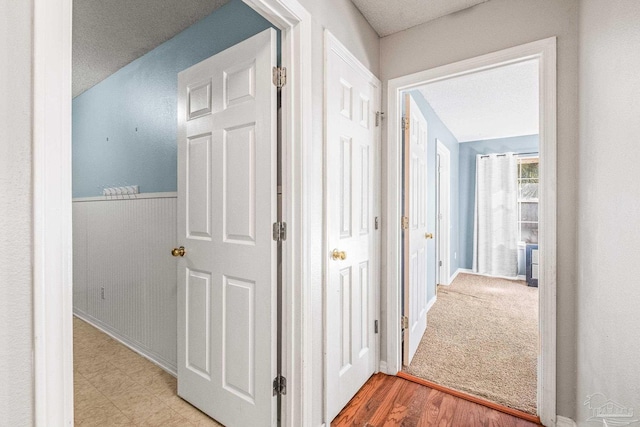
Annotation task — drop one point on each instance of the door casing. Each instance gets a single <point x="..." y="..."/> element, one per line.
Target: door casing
<point x="443" y="207"/>
<point x="544" y="51"/>
<point x="52" y="279"/>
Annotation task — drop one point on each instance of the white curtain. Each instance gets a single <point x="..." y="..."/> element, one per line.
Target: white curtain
<point x="495" y="250"/>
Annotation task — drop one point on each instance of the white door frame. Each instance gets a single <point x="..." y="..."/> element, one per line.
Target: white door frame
<point x="444" y="153"/>
<point x="52" y="270"/>
<point x="545" y="52"/>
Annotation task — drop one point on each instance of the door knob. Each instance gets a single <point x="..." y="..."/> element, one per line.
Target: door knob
<point x="338" y="255"/>
<point x="428" y="235"/>
<point x="178" y="251"/>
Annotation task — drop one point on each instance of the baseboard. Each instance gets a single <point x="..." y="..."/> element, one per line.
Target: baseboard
<point x="521" y="277"/>
<point x="431" y="302"/>
<point x="565" y="422"/>
<point x="453" y="276"/>
<point x="469" y="271"/>
<point x="153" y="358"/>
<point x="382" y="366"/>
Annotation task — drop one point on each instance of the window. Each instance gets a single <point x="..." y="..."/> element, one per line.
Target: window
<point x="528" y="185"/>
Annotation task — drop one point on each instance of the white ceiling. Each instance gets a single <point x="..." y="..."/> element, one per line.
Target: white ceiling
<point x="109" y="34"/>
<point x="388" y="17"/>
<point x="497" y="103"/>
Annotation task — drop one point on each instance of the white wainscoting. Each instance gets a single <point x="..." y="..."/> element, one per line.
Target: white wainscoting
<point x="124" y="277"/>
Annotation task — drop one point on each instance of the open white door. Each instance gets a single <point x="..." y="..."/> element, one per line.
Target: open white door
<point x="227" y="204"/>
<point x="352" y="95"/>
<point x="415" y="228"/>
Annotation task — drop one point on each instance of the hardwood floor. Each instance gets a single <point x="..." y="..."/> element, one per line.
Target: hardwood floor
<point x="392" y="401"/>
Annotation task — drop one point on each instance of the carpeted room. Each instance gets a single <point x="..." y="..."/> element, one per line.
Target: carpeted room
<point x="482" y="338"/>
<point x="483" y="176"/>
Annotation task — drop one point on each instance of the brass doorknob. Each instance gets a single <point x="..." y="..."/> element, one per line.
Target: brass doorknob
<point x="428" y="235"/>
<point x="178" y="251"/>
<point x="338" y="255"/>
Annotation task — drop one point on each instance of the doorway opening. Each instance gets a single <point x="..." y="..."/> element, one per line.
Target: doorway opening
<point x="474" y="334"/>
<point x="53" y="359"/>
<point x="149" y="317"/>
<point x="473" y="326"/>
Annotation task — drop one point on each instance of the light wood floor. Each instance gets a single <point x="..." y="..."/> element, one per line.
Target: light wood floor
<point x="392" y="401"/>
<point x="113" y="386"/>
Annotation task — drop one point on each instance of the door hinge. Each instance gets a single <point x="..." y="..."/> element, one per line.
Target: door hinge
<point x="439" y="263"/>
<point x="404" y="321"/>
<point x="376" y="223"/>
<point x="405" y="123"/>
<point x="279" y="385"/>
<point x="379" y="117"/>
<point x="375" y="326"/>
<point x="405" y="223"/>
<point x="279" y="231"/>
<point x="279" y="76"/>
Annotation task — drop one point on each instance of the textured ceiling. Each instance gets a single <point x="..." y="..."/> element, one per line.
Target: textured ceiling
<point x="109" y="34"/>
<point x="388" y="17"/>
<point x="497" y="103"/>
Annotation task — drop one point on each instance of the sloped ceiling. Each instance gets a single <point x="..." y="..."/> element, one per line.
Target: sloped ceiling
<point x="109" y="34"/>
<point x="496" y="103"/>
<point x="388" y="17"/>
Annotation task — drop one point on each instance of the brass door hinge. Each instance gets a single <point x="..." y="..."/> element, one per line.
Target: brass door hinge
<point x="279" y="76"/>
<point x="405" y="223"/>
<point x="405" y="123"/>
<point x="405" y="322"/>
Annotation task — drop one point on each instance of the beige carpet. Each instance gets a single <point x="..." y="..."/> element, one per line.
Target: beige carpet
<point x="482" y="338"/>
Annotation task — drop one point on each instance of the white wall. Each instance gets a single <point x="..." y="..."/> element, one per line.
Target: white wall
<point x="16" y="331"/>
<point x="123" y="247"/>
<point x="491" y="26"/>
<point x="608" y="299"/>
<point x="345" y="22"/>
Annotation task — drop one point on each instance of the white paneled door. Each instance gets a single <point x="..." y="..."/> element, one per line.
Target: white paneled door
<point x="352" y="95"/>
<point x="415" y="225"/>
<point x="226" y="207"/>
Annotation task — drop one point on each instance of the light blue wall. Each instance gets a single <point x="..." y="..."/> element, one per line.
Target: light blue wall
<point x="468" y="152"/>
<point x="437" y="130"/>
<point x="124" y="128"/>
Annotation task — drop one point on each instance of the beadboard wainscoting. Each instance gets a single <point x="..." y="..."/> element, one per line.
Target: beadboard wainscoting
<point x="124" y="277"/>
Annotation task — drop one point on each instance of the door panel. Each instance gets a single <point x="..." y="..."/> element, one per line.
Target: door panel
<point x="351" y="292"/>
<point x="227" y="204"/>
<point x="415" y="236"/>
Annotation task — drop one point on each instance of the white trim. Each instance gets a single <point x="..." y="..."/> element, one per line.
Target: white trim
<point x="52" y="268"/>
<point x="52" y="208"/>
<point x="139" y="196"/>
<point x="331" y="43"/>
<point x="431" y="302"/>
<point x="132" y="345"/>
<point x="521" y="277"/>
<point x="545" y="52"/>
<point x="444" y="152"/>
<point x="469" y="271"/>
<point x="454" y="275"/>
<point x="564" y="422"/>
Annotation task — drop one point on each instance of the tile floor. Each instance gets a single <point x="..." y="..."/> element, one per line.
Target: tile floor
<point x="114" y="386"/>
